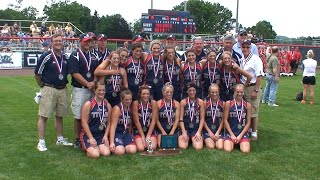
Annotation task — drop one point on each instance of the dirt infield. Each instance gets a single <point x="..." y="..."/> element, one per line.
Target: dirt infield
<point x="17" y="72"/>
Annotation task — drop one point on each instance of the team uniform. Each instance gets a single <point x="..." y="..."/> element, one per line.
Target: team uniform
<point x="237" y="120"/>
<point x="213" y="117"/>
<point x="135" y="75"/>
<point x="191" y="117"/>
<point x="113" y="84"/>
<point x="229" y="79"/>
<point x="202" y="55"/>
<point x="54" y="94"/>
<point x="167" y="116"/>
<point x="97" y="123"/>
<point x="84" y="64"/>
<point x="210" y="75"/>
<point x="172" y="74"/>
<point x="236" y="57"/>
<point x="154" y="76"/>
<point x="192" y="75"/>
<point x="122" y="135"/>
<point x="102" y="55"/>
<point x="145" y="118"/>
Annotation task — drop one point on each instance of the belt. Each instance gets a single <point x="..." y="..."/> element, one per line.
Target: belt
<point x="251" y="84"/>
<point x="54" y="86"/>
<point x="78" y="86"/>
<point x="270" y="74"/>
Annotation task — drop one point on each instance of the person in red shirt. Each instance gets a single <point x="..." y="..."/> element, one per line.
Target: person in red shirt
<point x="298" y="58"/>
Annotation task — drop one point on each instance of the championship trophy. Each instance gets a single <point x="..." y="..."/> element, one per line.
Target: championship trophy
<point x="149" y="150"/>
<point x="168" y="147"/>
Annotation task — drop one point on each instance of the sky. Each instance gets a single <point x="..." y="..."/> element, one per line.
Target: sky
<point x="288" y="18"/>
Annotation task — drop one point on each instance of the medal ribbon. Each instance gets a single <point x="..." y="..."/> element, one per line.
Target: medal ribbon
<point x="125" y="118"/>
<point x="229" y="77"/>
<point x="239" y="117"/>
<point x="169" y="114"/>
<point x="136" y="70"/>
<point x="191" y="112"/>
<point x="194" y="73"/>
<point x="101" y="116"/>
<point x="155" y="71"/>
<point x="170" y="75"/>
<point x="56" y="60"/>
<point x="144" y="114"/>
<point x="85" y="59"/>
<point x="114" y="80"/>
<point x="214" y="73"/>
<point x="213" y="116"/>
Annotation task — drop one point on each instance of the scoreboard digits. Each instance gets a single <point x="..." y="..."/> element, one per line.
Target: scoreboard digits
<point x="173" y="22"/>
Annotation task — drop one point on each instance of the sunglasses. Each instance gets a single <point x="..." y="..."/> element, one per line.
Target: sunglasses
<point x="243" y="34"/>
<point x="245" y="47"/>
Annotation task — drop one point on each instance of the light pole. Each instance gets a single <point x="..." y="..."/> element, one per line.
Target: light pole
<point x="151" y="37"/>
<point x="237" y="17"/>
<point x="184" y="36"/>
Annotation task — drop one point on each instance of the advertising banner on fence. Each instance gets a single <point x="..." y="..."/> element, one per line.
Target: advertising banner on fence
<point x="31" y="58"/>
<point x="11" y="60"/>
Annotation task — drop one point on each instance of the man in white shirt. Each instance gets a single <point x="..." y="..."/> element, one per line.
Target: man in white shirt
<point x="253" y="65"/>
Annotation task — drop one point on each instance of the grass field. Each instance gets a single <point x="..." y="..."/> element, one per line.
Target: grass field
<point x="288" y="145"/>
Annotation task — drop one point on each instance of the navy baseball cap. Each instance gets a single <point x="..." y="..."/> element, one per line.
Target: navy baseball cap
<point x="243" y="32"/>
<point x="137" y="38"/>
<point x="92" y="35"/>
<point x="85" y="37"/>
<point x="172" y="37"/>
<point x="102" y="36"/>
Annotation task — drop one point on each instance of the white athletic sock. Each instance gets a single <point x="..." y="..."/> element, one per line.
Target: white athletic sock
<point x="41" y="141"/>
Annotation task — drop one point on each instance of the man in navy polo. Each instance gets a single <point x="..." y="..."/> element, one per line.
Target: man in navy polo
<point x="172" y="41"/>
<point x="82" y="64"/>
<point x="197" y="45"/>
<point x="228" y="42"/>
<point x="102" y="51"/>
<point x="242" y="36"/>
<point x="51" y="75"/>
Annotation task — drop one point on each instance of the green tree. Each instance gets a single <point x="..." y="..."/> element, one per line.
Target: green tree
<point x="263" y="28"/>
<point x="114" y="26"/>
<point x="136" y="28"/>
<point x="209" y="17"/>
<point x="73" y="12"/>
<point x="30" y="12"/>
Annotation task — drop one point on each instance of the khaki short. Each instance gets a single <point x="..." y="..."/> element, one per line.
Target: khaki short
<point x="254" y="103"/>
<point x="79" y="97"/>
<point x="53" y="100"/>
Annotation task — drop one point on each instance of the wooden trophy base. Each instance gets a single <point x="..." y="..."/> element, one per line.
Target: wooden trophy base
<point x="163" y="152"/>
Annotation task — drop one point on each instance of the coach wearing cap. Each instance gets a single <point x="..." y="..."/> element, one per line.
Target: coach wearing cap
<point x="172" y="41"/>
<point x="82" y="63"/>
<point x="253" y="65"/>
<point x="102" y="51"/>
<point x="242" y="36"/>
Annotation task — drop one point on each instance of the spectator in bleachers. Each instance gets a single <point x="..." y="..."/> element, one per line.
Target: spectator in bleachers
<point x="52" y="29"/>
<point x="69" y="31"/>
<point x="59" y="30"/>
<point x="43" y="29"/>
<point x="250" y="36"/>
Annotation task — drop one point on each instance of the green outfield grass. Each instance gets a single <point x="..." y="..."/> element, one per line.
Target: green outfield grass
<point x="288" y="145"/>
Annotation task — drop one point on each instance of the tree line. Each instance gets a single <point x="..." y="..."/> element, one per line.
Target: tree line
<point x="210" y="18"/>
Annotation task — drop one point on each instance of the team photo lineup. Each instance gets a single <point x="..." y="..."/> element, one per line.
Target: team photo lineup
<point x="126" y="99"/>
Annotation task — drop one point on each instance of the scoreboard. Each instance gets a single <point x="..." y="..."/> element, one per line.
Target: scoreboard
<point x="170" y="22"/>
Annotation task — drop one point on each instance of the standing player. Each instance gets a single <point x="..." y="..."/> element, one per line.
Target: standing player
<point x="153" y="70"/>
<point x="213" y="126"/>
<point x="114" y="77"/>
<point x="135" y="69"/>
<point x="145" y="114"/>
<point x="102" y="51"/>
<point x="211" y="72"/>
<point x="51" y="75"/>
<point x="169" y="113"/>
<point x="191" y="72"/>
<point x="121" y="141"/>
<point x="96" y="124"/>
<point x="82" y="64"/>
<point x="191" y="119"/>
<point x="237" y="119"/>
<point x="172" y="70"/>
